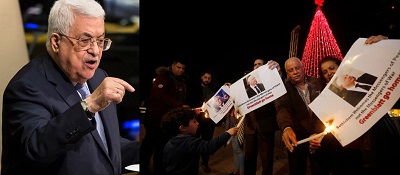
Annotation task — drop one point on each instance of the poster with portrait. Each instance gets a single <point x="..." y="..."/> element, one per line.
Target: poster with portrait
<point x="256" y="89"/>
<point x="219" y="105"/>
<point x="364" y="88"/>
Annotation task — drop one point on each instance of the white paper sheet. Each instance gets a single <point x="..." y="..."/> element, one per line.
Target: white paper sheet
<point x="348" y="121"/>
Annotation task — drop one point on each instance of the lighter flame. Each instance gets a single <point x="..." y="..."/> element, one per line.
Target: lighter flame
<point x="202" y="109"/>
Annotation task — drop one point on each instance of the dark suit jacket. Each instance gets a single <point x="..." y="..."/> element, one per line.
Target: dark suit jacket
<point x="46" y="131"/>
<point x="250" y="91"/>
<point x="261" y="120"/>
<point x="354" y="97"/>
<point x="367" y="79"/>
<point x="292" y="111"/>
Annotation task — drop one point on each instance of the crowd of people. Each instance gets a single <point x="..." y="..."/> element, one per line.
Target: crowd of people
<point x="60" y="114"/>
<point x="291" y="115"/>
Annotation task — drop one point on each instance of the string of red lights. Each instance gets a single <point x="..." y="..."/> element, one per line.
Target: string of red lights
<point x="320" y="43"/>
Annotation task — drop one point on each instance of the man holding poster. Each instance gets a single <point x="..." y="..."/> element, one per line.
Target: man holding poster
<point x="272" y="81"/>
<point x="259" y="128"/>
<point x="274" y="88"/>
<point x="297" y="120"/>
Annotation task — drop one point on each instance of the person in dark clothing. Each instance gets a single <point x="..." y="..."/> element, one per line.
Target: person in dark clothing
<point x="182" y="151"/>
<point x="168" y="91"/>
<point x="346" y="159"/>
<point x="60" y="109"/>
<point x="297" y="121"/>
<point x="200" y="93"/>
<point x="260" y="127"/>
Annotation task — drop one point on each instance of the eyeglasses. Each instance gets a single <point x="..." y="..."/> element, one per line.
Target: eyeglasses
<point x="85" y="43"/>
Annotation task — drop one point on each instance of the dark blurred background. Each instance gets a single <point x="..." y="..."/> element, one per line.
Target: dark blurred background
<point x="227" y="35"/>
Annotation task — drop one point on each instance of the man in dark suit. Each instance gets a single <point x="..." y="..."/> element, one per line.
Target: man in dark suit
<point x="48" y="125"/>
<point x="253" y="87"/>
<point x="356" y="88"/>
<point x="259" y="128"/>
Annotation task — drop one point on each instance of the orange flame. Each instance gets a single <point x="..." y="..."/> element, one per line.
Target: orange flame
<point x="206" y="114"/>
<point x="202" y="109"/>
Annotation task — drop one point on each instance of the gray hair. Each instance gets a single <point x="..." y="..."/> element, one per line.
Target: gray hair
<point x="62" y="15"/>
<point x="293" y="58"/>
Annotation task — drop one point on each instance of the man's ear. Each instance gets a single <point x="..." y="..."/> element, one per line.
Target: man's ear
<point x="55" y="42"/>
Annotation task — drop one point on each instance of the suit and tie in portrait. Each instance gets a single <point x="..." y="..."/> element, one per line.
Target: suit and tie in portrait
<point x="253" y="87"/>
<point x="356" y="87"/>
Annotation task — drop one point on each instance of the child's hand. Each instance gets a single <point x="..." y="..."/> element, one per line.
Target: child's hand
<point x="233" y="131"/>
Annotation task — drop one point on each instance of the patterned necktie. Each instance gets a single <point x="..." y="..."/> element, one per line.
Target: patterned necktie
<point x="96" y="121"/>
<point x="240" y="133"/>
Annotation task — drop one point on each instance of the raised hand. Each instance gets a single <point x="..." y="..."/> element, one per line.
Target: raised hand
<point x="110" y="90"/>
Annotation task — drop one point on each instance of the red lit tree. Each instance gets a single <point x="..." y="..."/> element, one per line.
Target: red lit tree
<point x="320" y="43"/>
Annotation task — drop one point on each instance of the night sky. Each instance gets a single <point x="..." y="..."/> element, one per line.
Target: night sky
<point x="226" y="36"/>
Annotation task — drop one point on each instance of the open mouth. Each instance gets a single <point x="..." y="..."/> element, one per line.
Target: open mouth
<point x="91" y="64"/>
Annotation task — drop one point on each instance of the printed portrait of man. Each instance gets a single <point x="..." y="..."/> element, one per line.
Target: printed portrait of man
<point x="354" y="87"/>
<point x="253" y="86"/>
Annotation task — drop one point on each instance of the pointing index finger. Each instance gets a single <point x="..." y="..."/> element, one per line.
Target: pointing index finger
<point x="125" y="84"/>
